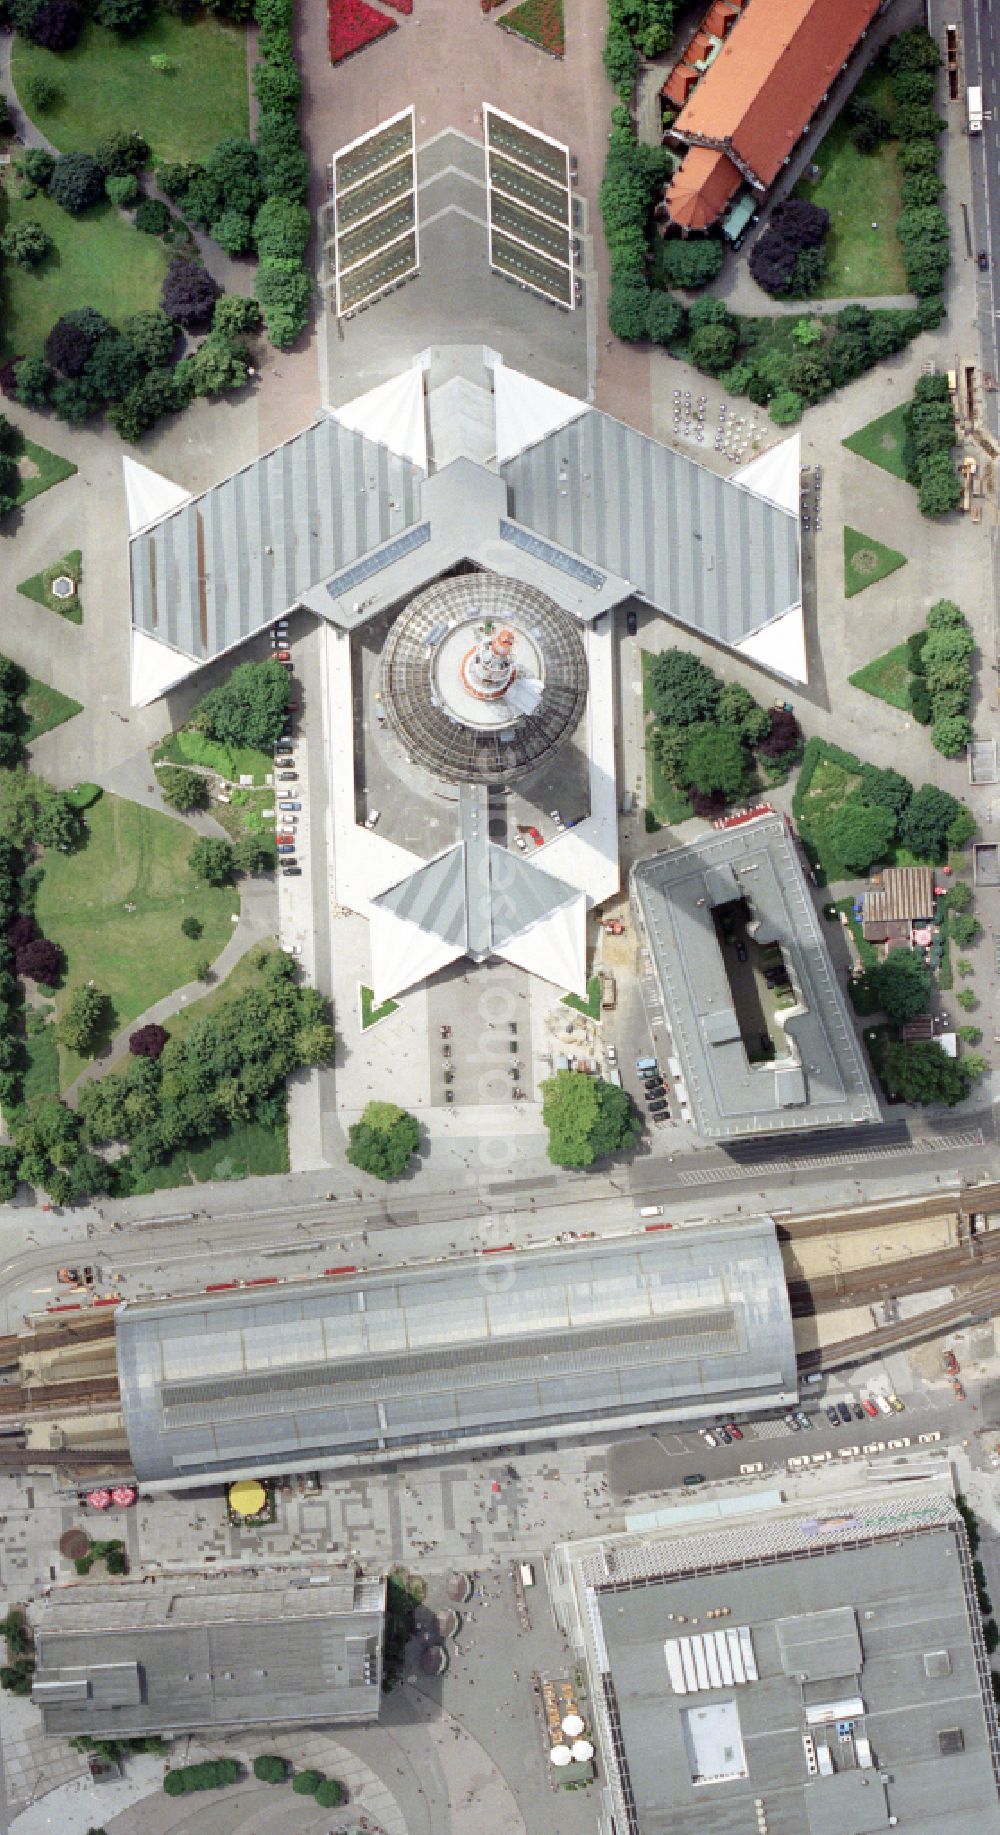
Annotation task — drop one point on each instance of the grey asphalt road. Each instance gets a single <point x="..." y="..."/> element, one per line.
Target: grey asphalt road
<point x="980" y="66"/>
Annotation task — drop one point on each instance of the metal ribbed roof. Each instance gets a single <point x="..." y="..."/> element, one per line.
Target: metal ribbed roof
<point x="699" y="547"/>
<point x="230" y="561"/>
<point x="375" y="1367"/>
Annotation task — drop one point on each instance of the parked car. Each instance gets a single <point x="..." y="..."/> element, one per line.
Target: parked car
<point x="631" y="623"/>
<point x="982" y="261"/>
<point x="951" y="1363"/>
<point x="288" y="777"/>
<point x="281" y="656"/>
<point x="282" y="804"/>
<point x="859" y="1413"/>
<point x="896" y="1405"/>
<point x="802" y="1418"/>
<point x="793" y="1423"/>
<point x="694" y="1478"/>
<point x="724" y="1435"/>
<point x="833" y="1417"/>
<point x="537" y="837"/>
<point x="291" y="871"/>
<point x="372" y="818"/>
<point x="286" y="849"/>
<point x="709" y="1439"/>
<point x="959" y="1388"/>
<point x="869" y="1406"/>
<point x="737" y="1432"/>
<point x="519" y="841"/>
<point x="657" y="1108"/>
<point x="843" y="1409"/>
<point x="885" y="1406"/>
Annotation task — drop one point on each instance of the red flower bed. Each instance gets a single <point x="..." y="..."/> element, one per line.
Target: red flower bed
<point x="541" y="21"/>
<point x="353" y="25"/>
<point x="400" y="6"/>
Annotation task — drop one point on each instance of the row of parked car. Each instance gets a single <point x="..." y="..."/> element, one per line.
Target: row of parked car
<point x="654" y="1090"/>
<point x="285" y="767"/>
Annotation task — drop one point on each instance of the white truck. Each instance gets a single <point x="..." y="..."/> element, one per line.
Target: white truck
<point x="975" y="105"/>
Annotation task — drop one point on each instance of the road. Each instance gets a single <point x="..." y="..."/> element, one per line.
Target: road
<point x="979" y="64"/>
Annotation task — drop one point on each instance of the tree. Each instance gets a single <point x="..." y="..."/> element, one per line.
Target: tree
<point x="925" y="825"/>
<point x="690" y="262"/>
<point x="233" y="169"/>
<point x="383" y="1141"/>
<point x="961" y="828"/>
<point x="36" y="166"/>
<point x="586" y="1118"/>
<point x="32" y="382"/>
<point x="56" y="24"/>
<point x="330" y="1793"/>
<point x="9" y="1173"/>
<point x="628" y="306"/>
<point x="248" y="709"/>
<point x="859" y="833"/>
<point x="218" y="365"/>
<point x="284" y="290"/>
<point x="944" y="614"/>
<point x="683" y="689"/>
<point x="736" y="708"/>
<point x="966" y="999"/>
<point x="68" y="345"/>
<point x="270" y="1769"/>
<point x="212" y="860"/>
<point x="153" y="217"/>
<point x="77" y="182"/>
<point x="192" y="927"/>
<point x="970" y="1035"/>
<point x="924" y="1073"/>
<point x="715" y="761"/>
<point x="203" y="969"/>
<point x="901" y="985"/>
<point x="783" y="733"/>
<point x="235" y="315"/>
<point x="122" y="191"/>
<point x="664" y="318"/>
<point x="182" y="789"/>
<point x="886" y="787"/>
<point x="113" y="367"/>
<point x="26" y="243"/>
<point x="233" y="232"/>
<point x="307" y="1783"/>
<point x="33" y="813"/>
<point x="40" y="960"/>
<point x="122" y="152"/>
<point x="951" y="735"/>
<point x="122" y="16"/>
<point x="913" y="50"/>
<point x="152" y="336"/>
<point x="148" y="1041"/>
<point x="786" y="408"/>
<point x="189" y="293"/>
<point x="960" y="896"/>
<point x="713" y="347"/>
<point x="869" y="126"/>
<point x="281" y="228"/>
<point x="964" y="928"/>
<point x="82" y="1018"/>
<point x="251" y="854"/>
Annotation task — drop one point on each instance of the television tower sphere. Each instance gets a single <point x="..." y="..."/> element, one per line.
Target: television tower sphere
<point x="483" y="679"/>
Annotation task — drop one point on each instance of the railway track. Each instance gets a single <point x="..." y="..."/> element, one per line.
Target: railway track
<point x="22" y="1399"/>
<point x="978" y="1303"/>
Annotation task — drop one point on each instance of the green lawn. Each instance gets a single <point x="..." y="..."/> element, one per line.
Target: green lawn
<point x="370" y="1014"/>
<point x="859" y="189"/>
<point x="41" y="1076"/>
<point x="233" y="762"/>
<point x="887" y="678"/>
<point x="131" y="856"/>
<point x="47" y="468"/>
<point x="109" y="82"/>
<point x="243" y="976"/>
<point x="98" y="259"/>
<point x="591" y="1007"/>
<point x="36" y="589"/>
<point x="881" y="441"/>
<point x="866" y="561"/>
<point x="244" y="815"/>
<point x="247" y="1151"/>
<point x="45" y="708"/>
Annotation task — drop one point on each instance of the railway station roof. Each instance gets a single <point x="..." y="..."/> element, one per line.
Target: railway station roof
<point x="198" y="1652"/>
<point x="538" y="1344"/>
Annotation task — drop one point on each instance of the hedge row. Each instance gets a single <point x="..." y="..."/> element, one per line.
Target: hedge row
<point x="940" y="660"/>
<point x="927" y="445"/>
<point x="281" y="229"/>
<point x="922" y="227"/>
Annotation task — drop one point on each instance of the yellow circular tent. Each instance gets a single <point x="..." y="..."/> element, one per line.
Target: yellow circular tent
<point x="247" y="1498"/>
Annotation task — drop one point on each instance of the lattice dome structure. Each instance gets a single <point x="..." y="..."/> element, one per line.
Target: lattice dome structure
<point x="483" y="678"/>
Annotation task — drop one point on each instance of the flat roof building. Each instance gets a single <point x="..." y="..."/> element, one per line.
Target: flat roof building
<point x="204" y="1653"/>
<point x="761" y="1031"/>
<point x="529" y="1346"/>
<point x="807" y="1669"/>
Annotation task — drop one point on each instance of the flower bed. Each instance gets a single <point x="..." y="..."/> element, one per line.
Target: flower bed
<point x="540" y="21"/>
<point x="401" y="6"/>
<point x="353" y="24"/>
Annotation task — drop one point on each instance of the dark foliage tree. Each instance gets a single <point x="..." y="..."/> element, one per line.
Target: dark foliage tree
<point x="924" y="826"/>
<point x="383" y="1141"/>
<point x="212" y="860"/>
<point x="248" y="709"/>
<point x="122" y="152"/>
<point x="122" y="16"/>
<point x="77" y="182"/>
<point x="924" y="1073"/>
<point x="784" y="733"/>
<point x="152" y="217"/>
<point x="683" y="688"/>
<point x="148" y="1041"/>
<point x="189" y="293"/>
<point x="692" y="262"/>
<point x="56" y="24"/>
<point x="901" y="985"/>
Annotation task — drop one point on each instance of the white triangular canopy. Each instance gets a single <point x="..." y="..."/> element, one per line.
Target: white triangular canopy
<point x="780" y="645"/>
<point x="148" y="495"/>
<point x="404" y="952"/>
<point x="392" y="415"/>
<point x="155" y="668"/>
<point x="555" y="947"/>
<point x="528" y="410"/>
<point x="774" y="475"/>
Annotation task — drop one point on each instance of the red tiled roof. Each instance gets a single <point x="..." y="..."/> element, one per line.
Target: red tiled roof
<point x="701" y="188"/>
<point x="718" y="19"/>
<point x="774" y="68"/>
<point x="679" y="84"/>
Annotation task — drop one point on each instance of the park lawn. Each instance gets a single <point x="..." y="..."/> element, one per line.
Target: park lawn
<point x="189" y="747"/>
<point x="591" y="1007"/>
<point x="243" y="976"/>
<point x="829" y="785"/>
<point x="370" y="1014"/>
<point x="887" y="678"/>
<point x="866" y="561"/>
<point x="35" y="588"/>
<point x="248" y="1150"/>
<point x="881" y="441"/>
<point x="134" y="856"/>
<point x="99" y="259"/>
<point x="244" y="815"/>
<point x="859" y="189"/>
<point x="49" y="468"/>
<point x="45" y="708"/>
<point x="108" y="82"/>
